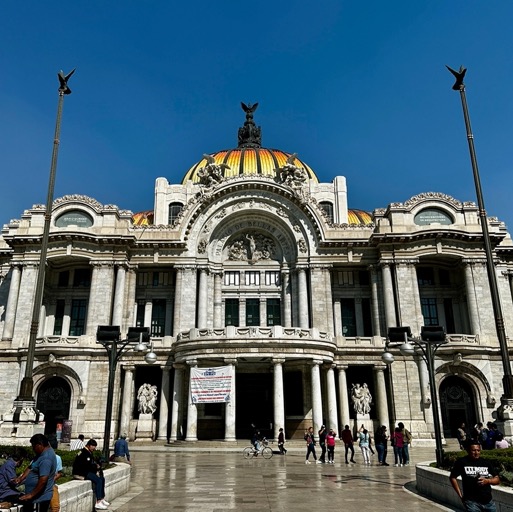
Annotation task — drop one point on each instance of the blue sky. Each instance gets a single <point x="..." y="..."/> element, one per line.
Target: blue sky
<point x="357" y="89"/>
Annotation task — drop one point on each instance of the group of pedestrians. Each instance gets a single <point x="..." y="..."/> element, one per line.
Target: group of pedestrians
<point x="489" y="437"/>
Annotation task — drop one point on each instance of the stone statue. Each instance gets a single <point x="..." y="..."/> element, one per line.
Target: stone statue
<point x="362" y="398"/>
<point x="212" y="173"/>
<point x="291" y="175"/>
<point x="251" y="248"/>
<point x="147" y="398"/>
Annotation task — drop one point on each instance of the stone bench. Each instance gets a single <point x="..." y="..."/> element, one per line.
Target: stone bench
<point x="77" y="495"/>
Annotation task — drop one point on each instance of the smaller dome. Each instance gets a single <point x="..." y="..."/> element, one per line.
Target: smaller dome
<point x="143" y="218"/>
<point x="358" y="217"/>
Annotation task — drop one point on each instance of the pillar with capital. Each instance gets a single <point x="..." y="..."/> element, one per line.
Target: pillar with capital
<point x="332" y="398"/>
<point x="316" y="395"/>
<point x="286" y="298"/>
<point x="192" y="410"/>
<point x="342" y="393"/>
<point x="202" y="298"/>
<point x="376" y="327"/>
<point x="230" y="408"/>
<point x="12" y="302"/>
<point x="164" y="404"/>
<point x="119" y="295"/>
<point x="100" y="296"/>
<point x="176" y="408"/>
<point x="218" y="300"/>
<point x="127" y="403"/>
<point x="388" y="294"/>
<point x="381" y="395"/>
<point x="304" y="321"/>
<point x="279" y="396"/>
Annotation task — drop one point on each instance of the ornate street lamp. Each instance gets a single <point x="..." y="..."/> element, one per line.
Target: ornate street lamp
<point x="432" y="337"/>
<point x="25" y="398"/>
<point x="507" y="379"/>
<point x="138" y="339"/>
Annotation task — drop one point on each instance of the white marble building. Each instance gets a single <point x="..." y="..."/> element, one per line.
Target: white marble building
<point x="251" y="262"/>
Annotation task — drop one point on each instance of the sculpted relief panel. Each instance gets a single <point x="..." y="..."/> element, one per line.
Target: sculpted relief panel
<point x="251" y="248"/>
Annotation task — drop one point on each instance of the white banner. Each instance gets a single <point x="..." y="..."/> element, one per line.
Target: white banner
<point x="211" y="385"/>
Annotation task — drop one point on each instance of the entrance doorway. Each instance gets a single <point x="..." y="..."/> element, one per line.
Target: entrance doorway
<point x="254" y="402"/>
<point x="53" y="400"/>
<point x="457" y="404"/>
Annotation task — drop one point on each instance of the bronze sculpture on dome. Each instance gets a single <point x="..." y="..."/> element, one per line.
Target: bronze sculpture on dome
<point x="250" y="135"/>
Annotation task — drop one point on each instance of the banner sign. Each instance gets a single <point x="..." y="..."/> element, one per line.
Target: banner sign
<point x="211" y="385"/>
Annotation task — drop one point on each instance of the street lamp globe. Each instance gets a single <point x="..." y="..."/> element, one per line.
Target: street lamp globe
<point x="387" y="358"/>
<point x="407" y="349"/>
<point x="150" y="357"/>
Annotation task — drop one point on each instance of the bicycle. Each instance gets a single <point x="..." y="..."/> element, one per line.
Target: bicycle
<point x="266" y="452"/>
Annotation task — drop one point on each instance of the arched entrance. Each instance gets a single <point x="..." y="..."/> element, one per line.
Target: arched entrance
<point x="457" y="404"/>
<point x="53" y="400"/>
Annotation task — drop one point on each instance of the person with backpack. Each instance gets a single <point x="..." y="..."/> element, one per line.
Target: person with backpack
<point x="310" y="445"/>
<point x="407" y="437"/>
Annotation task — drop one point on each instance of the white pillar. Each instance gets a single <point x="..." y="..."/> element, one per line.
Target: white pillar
<point x="376" y="327"/>
<point x="218" y="300"/>
<point x="12" y="303"/>
<point x="337" y="313"/>
<point x="231" y="406"/>
<point x="164" y="404"/>
<point x="176" y="411"/>
<point x="66" y="319"/>
<point x="388" y="295"/>
<point x="178" y="301"/>
<point x="304" y="321"/>
<point x="126" y="405"/>
<point x="192" y="410"/>
<point x="472" y="300"/>
<point x="329" y="302"/>
<point x="286" y="298"/>
<point x="316" y="395"/>
<point x="381" y="396"/>
<point x="100" y="296"/>
<point x="279" y="397"/>
<point x="119" y="296"/>
<point x="131" y="277"/>
<point x="332" y="399"/>
<point x="343" y="396"/>
<point x="263" y="311"/>
<point x="202" y="299"/>
<point x="148" y="312"/>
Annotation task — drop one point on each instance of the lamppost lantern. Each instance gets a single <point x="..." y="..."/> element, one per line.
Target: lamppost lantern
<point x="432" y="337"/>
<point x="138" y="339"/>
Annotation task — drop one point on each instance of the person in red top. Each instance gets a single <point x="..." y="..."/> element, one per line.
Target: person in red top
<point x="398" y="443"/>
<point x="347" y="438"/>
<point x="330" y="444"/>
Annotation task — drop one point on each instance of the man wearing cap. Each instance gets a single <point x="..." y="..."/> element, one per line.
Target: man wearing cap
<point x="121" y="452"/>
<point x="322" y="442"/>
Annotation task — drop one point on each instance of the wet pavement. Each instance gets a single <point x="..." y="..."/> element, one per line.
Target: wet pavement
<point x="166" y="479"/>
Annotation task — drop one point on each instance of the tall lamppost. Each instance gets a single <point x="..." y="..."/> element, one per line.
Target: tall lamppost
<point x="138" y="339"/>
<point x="25" y="397"/>
<point x="507" y="379"/>
<point x="432" y="337"/>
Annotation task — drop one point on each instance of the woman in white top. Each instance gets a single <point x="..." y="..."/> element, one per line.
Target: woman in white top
<point x="365" y="441"/>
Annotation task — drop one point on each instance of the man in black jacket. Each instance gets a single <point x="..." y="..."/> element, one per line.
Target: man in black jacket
<point x="86" y="468"/>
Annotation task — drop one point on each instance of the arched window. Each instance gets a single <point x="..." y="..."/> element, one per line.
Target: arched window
<point x="174" y="211"/>
<point x="328" y="209"/>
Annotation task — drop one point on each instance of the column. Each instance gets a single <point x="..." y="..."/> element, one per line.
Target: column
<point x="279" y="397"/>
<point x="192" y="410"/>
<point x="66" y="319"/>
<point x="100" y="296"/>
<point x="202" y="299"/>
<point x="131" y="278"/>
<point x="176" y="412"/>
<point x="343" y="396"/>
<point x="148" y="311"/>
<point x="316" y="395"/>
<point x="164" y="404"/>
<point x="329" y="302"/>
<point x="263" y="312"/>
<point x="12" y="303"/>
<point x="388" y="295"/>
<point x="178" y="301"/>
<point x="230" y="407"/>
<point x="376" y="327"/>
<point x="381" y="396"/>
<point x="126" y="404"/>
<point x="218" y="300"/>
<point x="304" y="321"/>
<point x="337" y="313"/>
<point x="119" y="296"/>
<point x="419" y="318"/>
<point x="332" y="399"/>
<point x="286" y="298"/>
<point x="473" y="312"/>
<point x="50" y="318"/>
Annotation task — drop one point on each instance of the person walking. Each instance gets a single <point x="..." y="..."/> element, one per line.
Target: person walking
<point x="381" y="442"/>
<point x="330" y="445"/>
<point x="461" y="435"/>
<point x="310" y="445"/>
<point x="347" y="439"/>
<point x="281" y="442"/>
<point x="365" y="441"/>
<point x="322" y="443"/>
<point x="477" y="475"/>
<point x="398" y="444"/>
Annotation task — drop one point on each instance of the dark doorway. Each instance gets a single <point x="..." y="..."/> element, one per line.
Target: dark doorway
<point x="457" y="405"/>
<point x="53" y="400"/>
<point x="254" y="402"/>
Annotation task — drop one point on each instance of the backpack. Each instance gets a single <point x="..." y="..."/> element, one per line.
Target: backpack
<point x="407" y="436"/>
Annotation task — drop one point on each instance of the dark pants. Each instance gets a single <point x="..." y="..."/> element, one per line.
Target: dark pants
<point x="322" y="458"/>
<point x="381" y="453"/>
<point x="331" y="453"/>
<point x="350" y="447"/>
<point x="281" y="447"/>
<point x="406" y="453"/>
<point x="310" y="449"/>
<point x="474" y="506"/>
<point x="99" y="485"/>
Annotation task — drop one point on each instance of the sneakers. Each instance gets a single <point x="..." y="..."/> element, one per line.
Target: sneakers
<point x="105" y="502"/>
<point x="307" y="462"/>
<point x="100" y="506"/>
<point x="319" y="462"/>
<point x="396" y="465"/>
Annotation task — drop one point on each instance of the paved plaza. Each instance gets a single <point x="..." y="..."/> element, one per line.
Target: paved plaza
<point x="165" y="479"/>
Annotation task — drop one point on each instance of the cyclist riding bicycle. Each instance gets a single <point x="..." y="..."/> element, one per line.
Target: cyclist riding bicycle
<point x="255" y="441"/>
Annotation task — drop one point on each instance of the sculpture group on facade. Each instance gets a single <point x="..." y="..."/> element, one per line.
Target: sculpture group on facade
<point x="212" y="173"/>
<point x="291" y="175"/>
<point x="147" y="398"/>
<point x="361" y="398"/>
<point x="251" y="248"/>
